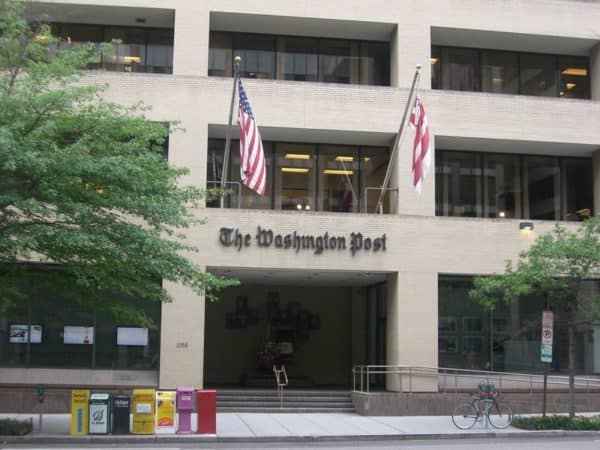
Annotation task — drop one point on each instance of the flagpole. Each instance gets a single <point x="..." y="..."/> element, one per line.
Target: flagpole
<point x="224" y="173"/>
<point x="388" y="171"/>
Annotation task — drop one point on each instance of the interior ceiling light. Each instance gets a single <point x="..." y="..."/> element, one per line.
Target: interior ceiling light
<point x="433" y="60"/>
<point x="575" y="71"/>
<point x="132" y="59"/>
<point x="337" y="172"/>
<point x="344" y="158"/>
<point x="294" y="170"/>
<point x="296" y="156"/>
<point x="571" y="86"/>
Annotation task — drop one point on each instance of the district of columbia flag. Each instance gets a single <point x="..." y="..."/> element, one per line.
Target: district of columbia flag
<point x="252" y="157"/>
<point x="421" y="160"/>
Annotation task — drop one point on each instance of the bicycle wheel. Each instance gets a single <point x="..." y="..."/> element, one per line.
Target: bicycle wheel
<point x="500" y="415"/>
<point x="464" y="416"/>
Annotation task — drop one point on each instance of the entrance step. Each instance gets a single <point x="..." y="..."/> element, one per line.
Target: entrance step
<point x="294" y="400"/>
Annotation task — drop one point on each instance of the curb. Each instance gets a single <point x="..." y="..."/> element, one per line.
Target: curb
<point x="138" y="439"/>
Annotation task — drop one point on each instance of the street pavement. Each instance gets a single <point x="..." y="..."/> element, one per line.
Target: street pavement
<point x="287" y="427"/>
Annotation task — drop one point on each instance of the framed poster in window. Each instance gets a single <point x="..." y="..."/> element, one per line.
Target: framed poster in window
<point x="18" y="334"/>
<point x="78" y="335"/>
<point x="132" y="336"/>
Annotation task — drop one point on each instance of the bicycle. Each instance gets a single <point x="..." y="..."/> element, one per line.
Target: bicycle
<point x="484" y="405"/>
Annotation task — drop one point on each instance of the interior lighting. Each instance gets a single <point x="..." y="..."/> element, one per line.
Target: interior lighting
<point x="299" y="207"/>
<point x="526" y="226"/>
<point x="132" y="59"/>
<point x="307" y="208"/>
<point x="344" y="158"/>
<point x="501" y="214"/>
<point x="571" y="86"/>
<point x="433" y="60"/>
<point x="575" y="71"/>
<point x="294" y="170"/>
<point x="296" y="156"/>
<point x="337" y="172"/>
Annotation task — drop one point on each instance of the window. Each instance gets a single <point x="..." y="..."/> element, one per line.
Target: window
<point x="300" y="58"/>
<point x="574" y="77"/>
<point x="338" y="178"/>
<point x="258" y="55"/>
<point x="538" y="75"/>
<point x="513" y="186"/>
<point x="501" y="186"/>
<point x="305" y="177"/>
<point x="460" y="69"/>
<point x="297" y="59"/>
<point x="505" y="72"/>
<point x="295" y="183"/>
<point x="140" y="50"/>
<point x="499" y="72"/>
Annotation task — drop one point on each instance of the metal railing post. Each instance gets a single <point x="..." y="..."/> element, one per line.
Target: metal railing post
<point x="368" y="381"/>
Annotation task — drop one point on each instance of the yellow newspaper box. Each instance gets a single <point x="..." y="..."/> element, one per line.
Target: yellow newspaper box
<point x="80" y="399"/>
<point x="165" y="412"/>
<point x="143" y="411"/>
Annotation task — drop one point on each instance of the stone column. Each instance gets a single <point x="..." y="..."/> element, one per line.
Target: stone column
<point x="412" y="317"/>
<point x="190" y="52"/>
<point x="182" y="339"/>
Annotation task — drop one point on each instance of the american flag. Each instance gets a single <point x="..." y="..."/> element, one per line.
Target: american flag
<point x="422" y="145"/>
<point x="252" y="156"/>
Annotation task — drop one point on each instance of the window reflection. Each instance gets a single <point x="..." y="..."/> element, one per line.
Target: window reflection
<point x="338" y="61"/>
<point x="220" y="61"/>
<point x="461" y="180"/>
<point x="460" y="69"/>
<point x="499" y="72"/>
<point x="295" y="177"/>
<point x="538" y="75"/>
<point x="577" y="188"/>
<point x="501" y="185"/>
<point x="541" y="183"/>
<point x="338" y="178"/>
<point x="297" y="59"/>
<point x="258" y="55"/>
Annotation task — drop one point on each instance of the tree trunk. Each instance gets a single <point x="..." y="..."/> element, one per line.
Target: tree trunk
<point x="571" y="329"/>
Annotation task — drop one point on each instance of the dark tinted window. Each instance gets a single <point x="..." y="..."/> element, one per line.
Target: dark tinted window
<point x="460" y="69"/>
<point x="258" y="55"/>
<point x="499" y="72"/>
<point x="538" y="75"/>
<point x="297" y="59"/>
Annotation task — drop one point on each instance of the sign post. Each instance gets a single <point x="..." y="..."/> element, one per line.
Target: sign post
<point x="546" y="349"/>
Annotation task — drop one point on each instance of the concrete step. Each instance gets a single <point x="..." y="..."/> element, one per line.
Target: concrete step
<point x="287" y="402"/>
<point x="285" y="409"/>
<point x="255" y="398"/>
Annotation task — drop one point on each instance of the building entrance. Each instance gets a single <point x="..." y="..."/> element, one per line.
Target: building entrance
<point x="317" y="331"/>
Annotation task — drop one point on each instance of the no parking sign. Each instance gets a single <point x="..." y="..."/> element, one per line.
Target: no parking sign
<point x="547" y="336"/>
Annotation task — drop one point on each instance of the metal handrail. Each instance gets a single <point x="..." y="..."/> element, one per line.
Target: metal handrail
<point x="367" y="189"/>
<point x="280" y="384"/>
<point x="239" y="189"/>
<point x="442" y="373"/>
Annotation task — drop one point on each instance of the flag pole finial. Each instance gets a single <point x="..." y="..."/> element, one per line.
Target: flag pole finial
<point x="418" y="66"/>
<point x="237" y="59"/>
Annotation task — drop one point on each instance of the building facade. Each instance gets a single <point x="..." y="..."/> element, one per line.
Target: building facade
<point x="512" y="93"/>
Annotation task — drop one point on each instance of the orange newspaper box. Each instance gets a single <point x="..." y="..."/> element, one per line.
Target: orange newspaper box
<point x="207" y="412"/>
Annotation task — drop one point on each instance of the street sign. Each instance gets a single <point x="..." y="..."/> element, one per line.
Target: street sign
<point x="547" y="336"/>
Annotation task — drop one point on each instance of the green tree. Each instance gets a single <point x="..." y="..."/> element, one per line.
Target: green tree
<point x="83" y="182"/>
<point x="556" y="265"/>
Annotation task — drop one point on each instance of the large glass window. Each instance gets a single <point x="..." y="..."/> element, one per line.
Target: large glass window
<point x="541" y="183"/>
<point x="471" y="69"/>
<point x="295" y="183"/>
<point x="305" y="177"/>
<point x="499" y="72"/>
<point x="577" y="189"/>
<point x="338" y="178"/>
<point x="507" y="338"/>
<point x="297" y="58"/>
<point x="479" y="184"/>
<point x="257" y="53"/>
<point x="139" y="50"/>
<point x="501" y="186"/>
<point x="300" y="58"/>
<point x="574" y="77"/>
<point x="338" y="61"/>
<point x="460" y="69"/>
<point x="538" y="75"/>
<point x="64" y="333"/>
<point x="374" y="63"/>
<point x="461" y="180"/>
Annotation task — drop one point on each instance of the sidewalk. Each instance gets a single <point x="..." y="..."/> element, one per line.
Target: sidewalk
<point x="273" y="427"/>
